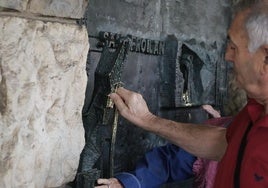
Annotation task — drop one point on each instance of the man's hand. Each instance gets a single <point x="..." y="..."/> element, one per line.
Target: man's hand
<point x="109" y="183"/>
<point x="132" y="106"/>
<point x="209" y="109"/>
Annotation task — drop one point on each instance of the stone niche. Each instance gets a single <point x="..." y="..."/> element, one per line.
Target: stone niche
<point x="42" y="88"/>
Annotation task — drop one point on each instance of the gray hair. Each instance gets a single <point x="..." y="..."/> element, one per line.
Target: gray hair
<point x="256" y="23"/>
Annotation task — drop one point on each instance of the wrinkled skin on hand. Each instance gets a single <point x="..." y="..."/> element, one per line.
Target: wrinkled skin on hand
<point x="132" y="106"/>
<point x="111" y="183"/>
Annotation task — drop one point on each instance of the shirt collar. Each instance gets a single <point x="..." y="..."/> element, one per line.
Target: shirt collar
<point x="254" y="109"/>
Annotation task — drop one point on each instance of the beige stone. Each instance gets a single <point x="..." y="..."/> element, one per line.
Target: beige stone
<point x="59" y="8"/>
<point x="42" y="88"/>
<point x="20" y="5"/>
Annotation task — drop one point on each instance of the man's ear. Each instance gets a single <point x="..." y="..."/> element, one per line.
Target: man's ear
<point x="264" y="51"/>
<point x="266" y="54"/>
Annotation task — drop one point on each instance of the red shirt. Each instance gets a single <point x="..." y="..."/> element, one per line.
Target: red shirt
<point x="254" y="167"/>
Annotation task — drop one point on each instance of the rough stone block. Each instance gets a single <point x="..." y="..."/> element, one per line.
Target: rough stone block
<point x="42" y="88"/>
<point x="19" y="5"/>
<point x="59" y="8"/>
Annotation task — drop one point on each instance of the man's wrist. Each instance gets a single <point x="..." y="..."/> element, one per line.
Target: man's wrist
<point x="152" y="123"/>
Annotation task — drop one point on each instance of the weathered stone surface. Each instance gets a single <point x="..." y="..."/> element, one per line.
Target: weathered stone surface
<point x="42" y="86"/>
<point x="59" y="8"/>
<point x="14" y="4"/>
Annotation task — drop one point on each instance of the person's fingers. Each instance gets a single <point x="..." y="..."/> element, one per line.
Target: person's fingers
<point x="103" y="181"/>
<point x="122" y="90"/>
<point x="108" y="183"/>
<point x="129" y="97"/>
<point x="120" y="104"/>
<point x="124" y="93"/>
<point x="209" y="109"/>
<point x="101" y="186"/>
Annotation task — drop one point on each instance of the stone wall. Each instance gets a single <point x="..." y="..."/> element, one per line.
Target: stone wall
<point x="42" y="88"/>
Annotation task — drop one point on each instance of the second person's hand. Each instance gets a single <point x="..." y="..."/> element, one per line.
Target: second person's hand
<point x="108" y="183"/>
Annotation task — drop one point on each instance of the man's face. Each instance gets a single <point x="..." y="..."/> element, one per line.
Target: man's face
<point x="247" y="65"/>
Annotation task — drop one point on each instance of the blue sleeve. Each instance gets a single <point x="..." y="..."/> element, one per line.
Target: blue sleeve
<point x="160" y="165"/>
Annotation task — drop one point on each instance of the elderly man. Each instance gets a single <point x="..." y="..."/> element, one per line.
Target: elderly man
<point x="242" y="147"/>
